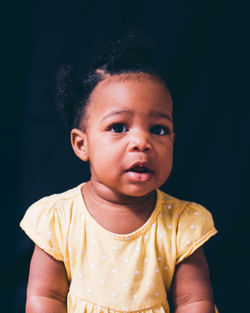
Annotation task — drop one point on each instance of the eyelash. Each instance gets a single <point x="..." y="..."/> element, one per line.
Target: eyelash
<point x="116" y="125"/>
<point x="121" y="128"/>
<point x="165" y="130"/>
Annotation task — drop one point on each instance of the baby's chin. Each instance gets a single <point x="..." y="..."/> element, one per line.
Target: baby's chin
<point x="137" y="192"/>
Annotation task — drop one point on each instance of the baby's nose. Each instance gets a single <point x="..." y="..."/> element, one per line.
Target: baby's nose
<point x="140" y="142"/>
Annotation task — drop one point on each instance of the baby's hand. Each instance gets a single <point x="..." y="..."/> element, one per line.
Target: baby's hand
<point x="191" y="288"/>
<point x="48" y="286"/>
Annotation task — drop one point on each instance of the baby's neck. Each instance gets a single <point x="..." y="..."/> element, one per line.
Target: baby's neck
<point x="117" y="213"/>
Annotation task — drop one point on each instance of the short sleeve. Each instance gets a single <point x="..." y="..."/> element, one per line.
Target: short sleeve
<point x="195" y="227"/>
<point x="45" y="225"/>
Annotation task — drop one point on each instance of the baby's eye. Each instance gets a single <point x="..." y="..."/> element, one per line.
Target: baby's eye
<point x="159" y="130"/>
<point x="118" y="128"/>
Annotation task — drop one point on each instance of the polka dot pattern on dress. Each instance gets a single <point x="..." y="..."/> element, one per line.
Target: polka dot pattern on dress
<point x="117" y="271"/>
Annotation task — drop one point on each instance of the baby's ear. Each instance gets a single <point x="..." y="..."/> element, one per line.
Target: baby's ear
<point x="79" y="143"/>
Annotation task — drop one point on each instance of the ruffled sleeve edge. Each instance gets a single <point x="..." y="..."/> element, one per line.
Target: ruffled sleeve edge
<point x="197" y="244"/>
<point x="39" y="241"/>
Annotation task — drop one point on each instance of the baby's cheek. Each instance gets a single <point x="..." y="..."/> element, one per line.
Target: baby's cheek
<point x="165" y="167"/>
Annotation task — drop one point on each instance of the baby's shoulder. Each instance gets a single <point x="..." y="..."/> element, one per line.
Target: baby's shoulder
<point x="187" y="223"/>
<point x="173" y="206"/>
<point x="62" y="204"/>
<point x="48" y="221"/>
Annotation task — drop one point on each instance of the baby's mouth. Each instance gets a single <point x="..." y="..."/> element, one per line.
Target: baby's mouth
<point x="139" y="169"/>
<point x="139" y="172"/>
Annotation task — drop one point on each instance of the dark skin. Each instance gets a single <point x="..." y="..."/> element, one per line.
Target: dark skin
<point x="47" y="286"/>
<point x="191" y="289"/>
<point x="118" y="195"/>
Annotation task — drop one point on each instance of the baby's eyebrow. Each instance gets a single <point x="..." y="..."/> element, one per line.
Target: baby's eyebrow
<point x="156" y="114"/>
<point x="117" y="113"/>
<point x="161" y="115"/>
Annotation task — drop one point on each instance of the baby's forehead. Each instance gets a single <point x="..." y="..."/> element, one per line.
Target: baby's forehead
<point x="140" y="93"/>
<point x="130" y="88"/>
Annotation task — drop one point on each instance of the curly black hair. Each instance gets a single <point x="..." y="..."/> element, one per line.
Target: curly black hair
<point x="134" y="54"/>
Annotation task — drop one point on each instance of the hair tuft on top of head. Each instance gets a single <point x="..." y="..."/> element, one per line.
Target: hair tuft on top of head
<point x="132" y="53"/>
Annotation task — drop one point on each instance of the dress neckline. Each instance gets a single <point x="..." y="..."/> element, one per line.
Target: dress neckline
<point x="95" y="225"/>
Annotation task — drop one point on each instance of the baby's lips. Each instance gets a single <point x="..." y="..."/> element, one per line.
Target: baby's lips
<point x="140" y="167"/>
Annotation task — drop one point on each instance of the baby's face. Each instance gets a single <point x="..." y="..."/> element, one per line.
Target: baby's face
<point x="129" y="134"/>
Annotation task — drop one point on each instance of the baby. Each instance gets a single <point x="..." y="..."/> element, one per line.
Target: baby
<point x="116" y="243"/>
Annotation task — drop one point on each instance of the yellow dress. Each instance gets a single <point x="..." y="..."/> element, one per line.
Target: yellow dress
<point x="111" y="272"/>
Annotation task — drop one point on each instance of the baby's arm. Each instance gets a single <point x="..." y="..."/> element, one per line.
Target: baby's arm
<point x="191" y="289"/>
<point x="48" y="285"/>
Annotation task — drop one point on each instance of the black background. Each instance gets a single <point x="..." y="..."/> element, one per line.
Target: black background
<point x="204" y="44"/>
